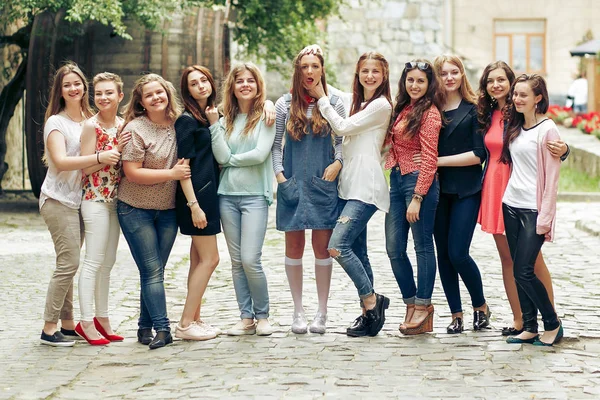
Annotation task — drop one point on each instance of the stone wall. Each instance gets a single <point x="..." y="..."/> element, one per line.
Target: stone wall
<point x="399" y="29"/>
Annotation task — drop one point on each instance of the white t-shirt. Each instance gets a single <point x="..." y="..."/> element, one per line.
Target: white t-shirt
<point x="521" y="191"/>
<point x="63" y="186"/>
<point x="579" y="91"/>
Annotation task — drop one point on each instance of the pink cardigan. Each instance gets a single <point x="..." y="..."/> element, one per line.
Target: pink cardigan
<point x="548" y="170"/>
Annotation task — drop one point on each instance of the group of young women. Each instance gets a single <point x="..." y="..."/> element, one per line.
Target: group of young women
<point x="165" y="165"/>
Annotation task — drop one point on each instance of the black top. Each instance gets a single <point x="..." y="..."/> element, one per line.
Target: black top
<point x="193" y="143"/>
<point x="460" y="134"/>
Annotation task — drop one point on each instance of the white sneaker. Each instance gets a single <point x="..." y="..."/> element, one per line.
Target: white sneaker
<point x="264" y="327"/>
<point x="241" y="328"/>
<point x="206" y="326"/>
<point x="319" y="323"/>
<point x="194" y="332"/>
<point x="299" y="325"/>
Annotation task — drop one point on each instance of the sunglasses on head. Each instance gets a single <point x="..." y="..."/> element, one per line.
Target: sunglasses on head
<point x="423" y="66"/>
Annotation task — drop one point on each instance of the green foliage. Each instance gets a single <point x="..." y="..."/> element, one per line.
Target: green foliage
<point x="271" y="30"/>
<point x="572" y="180"/>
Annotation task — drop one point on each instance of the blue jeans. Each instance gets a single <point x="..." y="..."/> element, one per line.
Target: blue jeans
<point x="396" y="237"/>
<point x="349" y="238"/>
<point x="150" y="235"/>
<point x="455" y="222"/>
<point x="244" y="220"/>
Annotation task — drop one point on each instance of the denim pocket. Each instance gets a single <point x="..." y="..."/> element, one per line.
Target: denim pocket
<point x="287" y="192"/>
<point x="323" y="192"/>
<point x="124" y="209"/>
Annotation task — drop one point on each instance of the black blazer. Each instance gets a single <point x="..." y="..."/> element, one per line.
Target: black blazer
<point x="460" y="134"/>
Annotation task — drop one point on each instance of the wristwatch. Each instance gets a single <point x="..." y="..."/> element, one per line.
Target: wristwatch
<point x="417" y="197"/>
<point x="191" y="203"/>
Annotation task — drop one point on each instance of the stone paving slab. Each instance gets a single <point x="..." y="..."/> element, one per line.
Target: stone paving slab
<point x="474" y="365"/>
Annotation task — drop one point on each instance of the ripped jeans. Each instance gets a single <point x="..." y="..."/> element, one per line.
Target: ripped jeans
<point x="349" y="238"/>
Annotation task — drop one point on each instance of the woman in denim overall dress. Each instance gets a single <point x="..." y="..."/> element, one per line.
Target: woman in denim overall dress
<point x="306" y="172"/>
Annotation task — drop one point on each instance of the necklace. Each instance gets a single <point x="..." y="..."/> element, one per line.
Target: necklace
<point x="77" y="122"/>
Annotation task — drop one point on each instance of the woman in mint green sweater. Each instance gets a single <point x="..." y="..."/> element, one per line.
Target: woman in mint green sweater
<point x="242" y="144"/>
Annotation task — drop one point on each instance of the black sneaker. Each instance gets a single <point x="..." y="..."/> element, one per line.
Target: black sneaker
<point x="57" y="340"/>
<point x="358" y="328"/>
<point x="70" y="334"/>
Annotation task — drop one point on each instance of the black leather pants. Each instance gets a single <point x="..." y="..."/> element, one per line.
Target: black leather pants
<point x="525" y="244"/>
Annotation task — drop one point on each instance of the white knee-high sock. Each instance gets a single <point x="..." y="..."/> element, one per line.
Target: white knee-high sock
<point x="323" y="269"/>
<point x="293" y="270"/>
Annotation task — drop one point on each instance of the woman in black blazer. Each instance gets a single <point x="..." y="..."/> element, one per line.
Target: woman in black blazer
<point x="460" y="155"/>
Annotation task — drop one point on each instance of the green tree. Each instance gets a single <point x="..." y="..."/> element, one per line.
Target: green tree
<point x="270" y="30"/>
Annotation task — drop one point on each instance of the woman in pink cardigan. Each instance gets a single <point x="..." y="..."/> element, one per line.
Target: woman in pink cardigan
<point x="529" y="202"/>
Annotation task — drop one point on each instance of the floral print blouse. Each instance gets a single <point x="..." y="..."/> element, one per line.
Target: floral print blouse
<point x="102" y="185"/>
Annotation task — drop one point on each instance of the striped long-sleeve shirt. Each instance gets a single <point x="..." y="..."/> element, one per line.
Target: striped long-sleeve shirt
<point x="281" y="110"/>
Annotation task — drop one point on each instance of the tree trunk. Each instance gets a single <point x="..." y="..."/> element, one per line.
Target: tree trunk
<point x="11" y="94"/>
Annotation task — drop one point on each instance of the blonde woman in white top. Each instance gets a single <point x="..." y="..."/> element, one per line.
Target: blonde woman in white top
<point x="362" y="187"/>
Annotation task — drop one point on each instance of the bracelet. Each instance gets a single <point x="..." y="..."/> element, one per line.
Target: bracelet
<point x="191" y="203"/>
<point x="98" y="156"/>
<point x="417" y="197"/>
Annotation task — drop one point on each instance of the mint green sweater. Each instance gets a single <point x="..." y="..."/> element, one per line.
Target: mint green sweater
<point x="246" y="159"/>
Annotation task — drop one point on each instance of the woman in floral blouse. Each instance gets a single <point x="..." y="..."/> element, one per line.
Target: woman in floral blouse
<point x="99" y="212"/>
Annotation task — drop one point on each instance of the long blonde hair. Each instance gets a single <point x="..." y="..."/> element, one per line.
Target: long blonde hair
<point x="297" y="124"/>
<point x="57" y="102"/>
<point x="466" y="91"/>
<point x="134" y="108"/>
<point x="230" y="105"/>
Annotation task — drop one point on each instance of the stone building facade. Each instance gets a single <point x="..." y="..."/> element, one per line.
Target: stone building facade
<point x="532" y="36"/>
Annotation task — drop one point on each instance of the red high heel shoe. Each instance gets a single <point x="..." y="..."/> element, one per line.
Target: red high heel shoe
<point x="100" y="329"/>
<point x="93" y="342"/>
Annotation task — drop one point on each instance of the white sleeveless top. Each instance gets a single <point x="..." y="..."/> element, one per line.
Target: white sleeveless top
<point x="63" y="186"/>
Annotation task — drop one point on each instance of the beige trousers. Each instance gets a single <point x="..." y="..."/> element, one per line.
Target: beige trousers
<point x="66" y="228"/>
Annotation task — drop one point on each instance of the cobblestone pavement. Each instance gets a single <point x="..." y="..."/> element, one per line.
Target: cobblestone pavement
<point x="437" y="365"/>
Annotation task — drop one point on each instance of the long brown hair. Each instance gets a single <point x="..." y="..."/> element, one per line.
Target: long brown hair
<point x="434" y="96"/>
<point x="297" y="124"/>
<point x="486" y="103"/>
<point x="189" y="103"/>
<point x="514" y="120"/>
<point x="230" y="103"/>
<point x="134" y="108"/>
<point x="358" y="92"/>
<point x="466" y="91"/>
<point x="57" y="102"/>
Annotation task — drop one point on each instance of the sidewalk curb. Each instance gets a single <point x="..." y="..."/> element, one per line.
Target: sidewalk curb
<point x="575" y="197"/>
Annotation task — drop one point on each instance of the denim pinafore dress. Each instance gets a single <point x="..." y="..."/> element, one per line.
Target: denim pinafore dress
<point x="305" y="200"/>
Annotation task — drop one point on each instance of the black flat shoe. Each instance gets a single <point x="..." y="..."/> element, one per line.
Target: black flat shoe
<point x="376" y="316"/>
<point x="145" y="336"/>
<point x="456" y="326"/>
<point x="481" y="319"/>
<point x="511" y="331"/>
<point x="358" y="328"/>
<point x="161" y="339"/>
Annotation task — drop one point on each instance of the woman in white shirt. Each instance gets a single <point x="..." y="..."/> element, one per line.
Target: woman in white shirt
<point x="362" y="187"/>
<point x="60" y="198"/>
